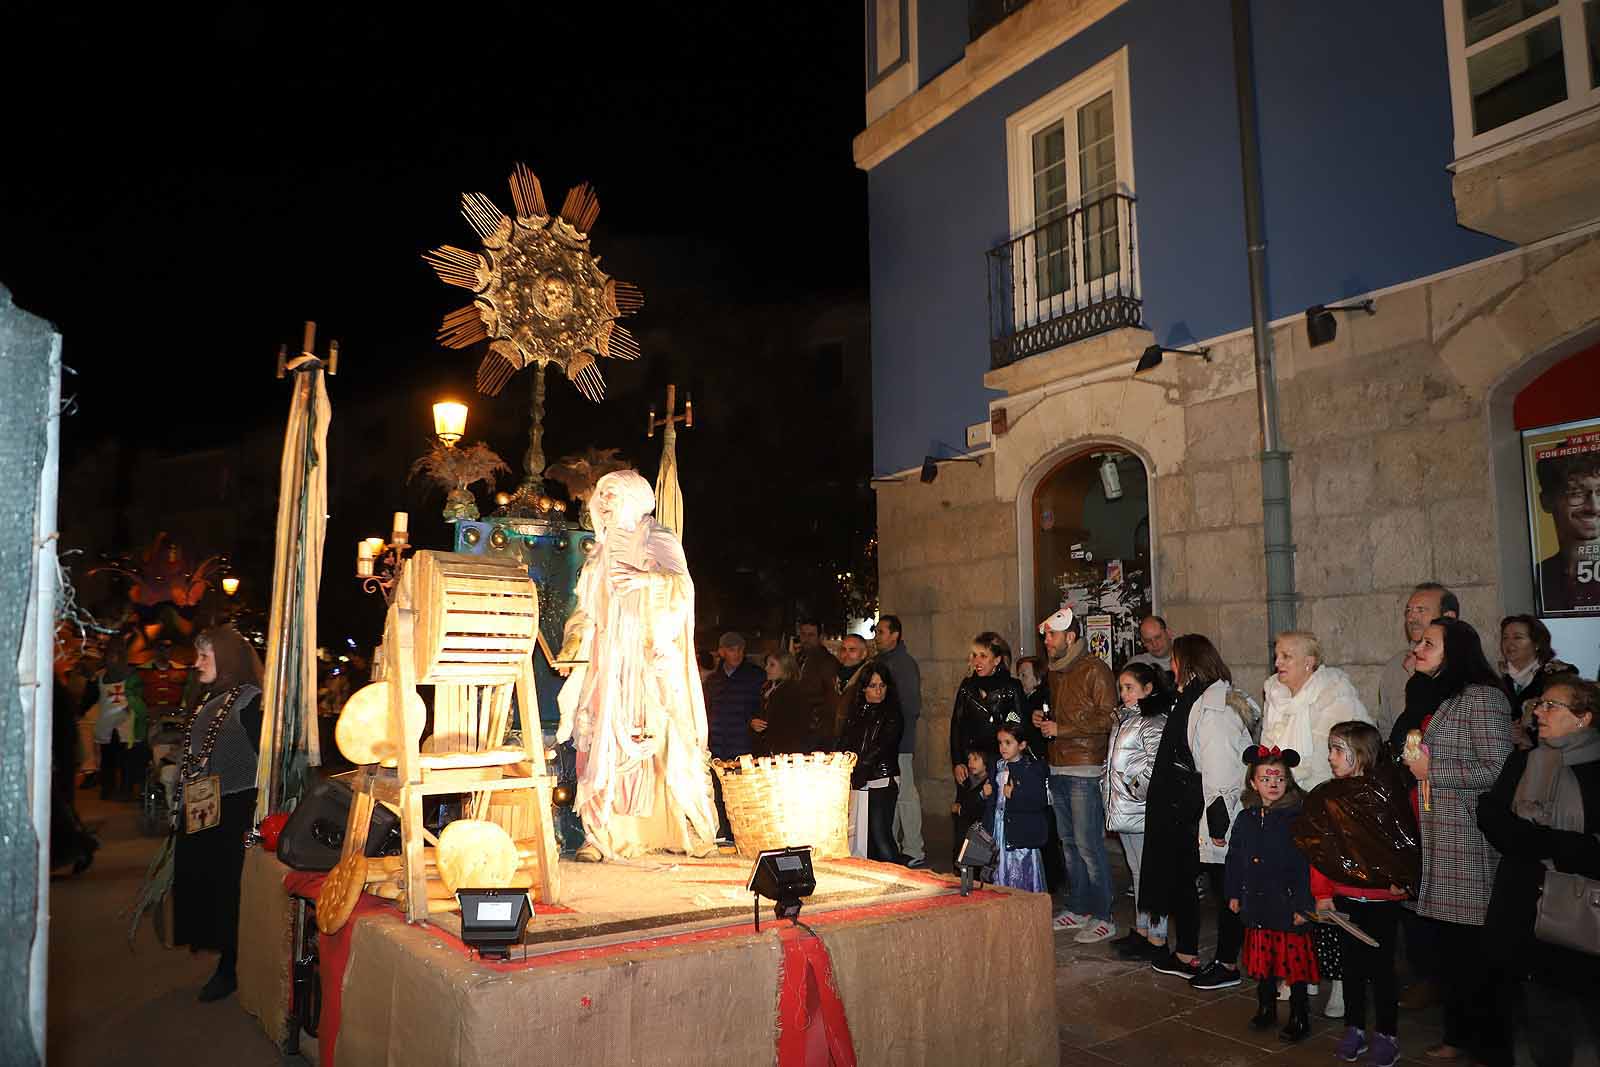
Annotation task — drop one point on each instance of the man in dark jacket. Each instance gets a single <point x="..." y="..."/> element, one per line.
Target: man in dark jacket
<point x="852" y="658"/>
<point x="908" y="684"/>
<point x="819" y="679"/>
<point x="733" y="696"/>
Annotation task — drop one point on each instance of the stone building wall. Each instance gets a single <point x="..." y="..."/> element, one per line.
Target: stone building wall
<point x="1391" y="476"/>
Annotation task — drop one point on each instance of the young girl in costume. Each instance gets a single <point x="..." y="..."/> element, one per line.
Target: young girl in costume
<point x="1268" y="885"/>
<point x="1132" y="756"/>
<point x="1016" y="807"/>
<point x="1361" y="824"/>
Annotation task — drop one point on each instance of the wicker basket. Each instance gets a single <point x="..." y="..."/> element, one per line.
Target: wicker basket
<point x="791" y="799"/>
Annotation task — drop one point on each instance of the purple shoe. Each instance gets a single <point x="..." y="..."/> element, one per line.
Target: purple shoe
<point x="1352" y="1044"/>
<point x="1385" y="1050"/>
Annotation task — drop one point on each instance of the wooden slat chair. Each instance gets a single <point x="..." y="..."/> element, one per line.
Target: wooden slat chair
<point x="467" y="626"/>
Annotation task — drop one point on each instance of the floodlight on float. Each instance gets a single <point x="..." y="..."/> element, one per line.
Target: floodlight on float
<point x="783" y="876"/>
<point x="492" y="920"/>
<point x="977" y="853"/>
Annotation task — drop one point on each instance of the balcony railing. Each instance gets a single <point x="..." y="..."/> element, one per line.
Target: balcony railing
<point x="1072" y="277"/>
<point x="985" y="15"/>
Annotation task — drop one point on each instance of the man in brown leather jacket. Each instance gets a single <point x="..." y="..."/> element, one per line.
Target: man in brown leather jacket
<point x="1082" y="710"/>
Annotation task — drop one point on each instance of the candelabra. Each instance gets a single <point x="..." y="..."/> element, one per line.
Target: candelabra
<point x="378" y="561"/>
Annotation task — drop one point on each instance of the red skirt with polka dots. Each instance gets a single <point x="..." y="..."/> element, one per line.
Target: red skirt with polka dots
<point x="1279" y="954"/>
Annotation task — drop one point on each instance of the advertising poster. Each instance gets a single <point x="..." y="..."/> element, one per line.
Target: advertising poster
<point x="1098" y="630"/>
<point x="1563" y="481"/>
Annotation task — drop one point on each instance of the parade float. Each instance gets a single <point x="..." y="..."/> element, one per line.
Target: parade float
<point x="447" y="927"/>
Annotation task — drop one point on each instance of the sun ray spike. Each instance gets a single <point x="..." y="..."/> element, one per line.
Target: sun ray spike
<point x="591" y="383"/>
<point x="527" y="193"/>
<point x="623" y="343"/>
<point x="581" y="207"/>
<point x="493" y="374"/>
<point x="457" y="266"/>
<point x="481" y="214"/>
<point x="463" y="328"/>
<point x="629" y="298"/>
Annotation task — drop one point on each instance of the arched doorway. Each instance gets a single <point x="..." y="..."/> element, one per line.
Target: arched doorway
<point x="1089" y="530"/>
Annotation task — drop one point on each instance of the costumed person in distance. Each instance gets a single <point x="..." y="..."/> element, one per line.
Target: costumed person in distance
<point x="633" y="705"/>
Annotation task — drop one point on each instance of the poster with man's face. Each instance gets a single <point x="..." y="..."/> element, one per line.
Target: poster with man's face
<point x="1563" y="478"/>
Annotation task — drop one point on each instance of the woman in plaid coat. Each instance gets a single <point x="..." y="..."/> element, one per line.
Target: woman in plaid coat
<point x="1456" y="704"/>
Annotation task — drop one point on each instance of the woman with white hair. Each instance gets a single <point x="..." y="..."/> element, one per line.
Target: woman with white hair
<point x="1305" y="700"/>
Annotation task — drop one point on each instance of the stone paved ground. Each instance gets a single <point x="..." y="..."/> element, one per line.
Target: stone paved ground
<point x="1111" y="1011"/>
<point x="112" y="1004"/>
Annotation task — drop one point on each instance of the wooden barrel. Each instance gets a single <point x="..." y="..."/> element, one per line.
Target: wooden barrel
<point x="476" y="618"/>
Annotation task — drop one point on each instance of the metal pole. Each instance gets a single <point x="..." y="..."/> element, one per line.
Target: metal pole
<point x="1281" y="598"/>
<point x="533" y="479"/>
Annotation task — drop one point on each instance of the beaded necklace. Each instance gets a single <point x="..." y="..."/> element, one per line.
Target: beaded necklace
<point x="194" y="764"/>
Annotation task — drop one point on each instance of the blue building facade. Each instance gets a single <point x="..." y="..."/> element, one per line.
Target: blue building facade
<point x="1355" y="129"/>
<point x="1056" y="196"/>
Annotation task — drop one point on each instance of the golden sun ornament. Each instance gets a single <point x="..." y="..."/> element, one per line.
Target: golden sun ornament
<point x="541" y="297"/>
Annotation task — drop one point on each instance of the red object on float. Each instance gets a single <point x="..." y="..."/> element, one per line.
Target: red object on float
<point x="271" y="827"/>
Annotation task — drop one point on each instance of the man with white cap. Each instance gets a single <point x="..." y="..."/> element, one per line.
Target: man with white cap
<point x="1077" y="724"/>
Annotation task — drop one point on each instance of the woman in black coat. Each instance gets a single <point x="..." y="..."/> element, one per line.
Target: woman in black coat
<point x="1543" y="812"/>
<point x="872" y="729"/>
<point x="986" y="698"/>
<point x="221" y="741"/>
<point x="784" y="722"/>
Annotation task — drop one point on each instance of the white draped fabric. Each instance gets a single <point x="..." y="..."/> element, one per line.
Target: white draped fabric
<point x="289" y="687"/>
<point x="635" y="711"/>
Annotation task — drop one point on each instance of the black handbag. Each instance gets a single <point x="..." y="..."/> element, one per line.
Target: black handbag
<point x="313" y="838"/>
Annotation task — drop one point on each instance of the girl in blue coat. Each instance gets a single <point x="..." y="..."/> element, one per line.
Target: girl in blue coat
<point x="1016" y="810"/>
<point x="1268" y="883"/>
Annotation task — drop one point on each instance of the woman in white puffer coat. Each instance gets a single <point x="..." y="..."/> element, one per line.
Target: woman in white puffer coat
<point x="1305" y="700"/>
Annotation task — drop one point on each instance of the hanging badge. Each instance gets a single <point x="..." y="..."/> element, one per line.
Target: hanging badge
<point x="202" y="804"/>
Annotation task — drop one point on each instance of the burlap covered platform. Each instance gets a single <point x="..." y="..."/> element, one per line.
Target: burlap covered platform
<point x="658" y="963"/>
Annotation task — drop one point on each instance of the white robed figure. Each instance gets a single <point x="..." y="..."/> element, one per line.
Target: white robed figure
<point x="635" y="710"/>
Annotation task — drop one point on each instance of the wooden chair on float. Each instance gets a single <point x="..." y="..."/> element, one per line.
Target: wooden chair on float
<point x="467" y="626"/>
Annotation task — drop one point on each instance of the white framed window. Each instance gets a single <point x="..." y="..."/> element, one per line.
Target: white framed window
<point x="1519" y="66"/>
<point x="1069" y="161"/>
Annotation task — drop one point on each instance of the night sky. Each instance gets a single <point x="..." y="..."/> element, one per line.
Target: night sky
<point x="183" y="189"/>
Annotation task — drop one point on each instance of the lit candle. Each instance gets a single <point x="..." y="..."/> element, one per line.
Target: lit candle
<point x="401" y="520"/>
<point x="364" y="558"/>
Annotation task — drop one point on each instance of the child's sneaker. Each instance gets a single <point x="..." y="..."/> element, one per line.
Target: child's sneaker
<point x="1070" y="920"/>
<point x="1352" y="1045"/>
<point x="1097" y="930"/>
<point x="1385" y="1050"/>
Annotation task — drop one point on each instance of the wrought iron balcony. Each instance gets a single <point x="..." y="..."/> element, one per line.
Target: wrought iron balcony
<point x="1074" y="276"/>
<point x="985" y="15"/>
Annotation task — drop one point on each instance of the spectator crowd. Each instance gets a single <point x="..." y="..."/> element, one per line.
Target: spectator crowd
<point x="1456" y="824"/>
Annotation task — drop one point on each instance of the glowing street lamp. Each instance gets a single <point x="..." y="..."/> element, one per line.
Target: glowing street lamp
<point x="230" y="586"/>
<point x="450" y="421"/>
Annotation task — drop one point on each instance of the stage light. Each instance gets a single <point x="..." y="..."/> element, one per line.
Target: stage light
<point x="930" y="464"/>
<point x="1151" y="358"/>
<point x="230" y="585"/>
<point x="1322" y="327"/>
<point x="450" y="421"/>
<point x="977" y="852"/>
<point x="783" y="876"/>
<point x="492" y="920"/>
